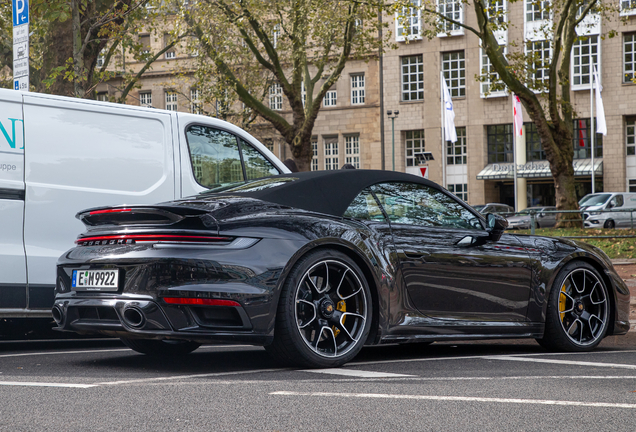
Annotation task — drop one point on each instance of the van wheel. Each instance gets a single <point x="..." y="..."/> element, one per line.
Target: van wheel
<point x="609" y="224"/>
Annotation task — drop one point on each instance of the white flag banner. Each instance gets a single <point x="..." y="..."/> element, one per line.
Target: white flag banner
<point x="601" y="126"/>
<point x="517" y="114"/>
<point x="449" y="115"/>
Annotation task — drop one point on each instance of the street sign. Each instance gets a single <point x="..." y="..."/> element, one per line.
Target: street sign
<point x="20" y="44"/>
<point x="20" y="12"/>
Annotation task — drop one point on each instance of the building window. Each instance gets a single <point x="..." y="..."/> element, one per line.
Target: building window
<point x="412" y="78"/>
<point x="630" y="135"/>
<point x="101" y="58"/>
<point x="195" y="101"/>
<point x="269" y="143"/>
<point x="539" y="54"/>
<point x="330" y="98"/>
<point x="534" y="149"/>
<point x="500" y="143"/>
<point x="276" y="97"/>
<point x="456" y="151"/>
<point x="314" y="157"/>
<point x="357" y="89"/>
<point x="352" y="150"/>
<point x="331" y="153"/>
<point x="303" y="93"/>
<point x="414" y="141"/>
<point x="170" y="54"/>
<point x="408" y="23"/>
<point x="171" y="101"/>
<point x="632" y="185"/>
<point x="144" y="40"/>
<point x="537" y="10"/>
<point x="629" y="56"/>
<point x="584" y="56"/>
<point x="454" y="68"/>
<point x="491" y="85"/>
<point x="628" y="7"/>
<point x="581" y="140"/>
<point x="497" y="9"/>
<point x="460" y="190"/>
<point x="145" y="99"/>
<point x="452" y="9"/>
<point x="102" y="97"/>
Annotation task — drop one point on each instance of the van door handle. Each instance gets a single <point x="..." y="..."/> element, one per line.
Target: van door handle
<point x="415" y="254"/>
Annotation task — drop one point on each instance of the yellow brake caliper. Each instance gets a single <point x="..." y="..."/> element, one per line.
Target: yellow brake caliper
<point x="342" y="307"/>
<point x="562" y="299"/>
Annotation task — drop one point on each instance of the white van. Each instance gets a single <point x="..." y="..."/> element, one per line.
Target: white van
<point x="592" y="204"/>
<point x="60" y="155"/>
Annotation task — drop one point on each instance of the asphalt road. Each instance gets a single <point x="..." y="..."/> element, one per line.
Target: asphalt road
<point x="469" y="386"/>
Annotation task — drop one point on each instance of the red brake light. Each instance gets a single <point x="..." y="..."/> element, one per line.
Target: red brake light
<point x="200" y="301"/>
<point x="124" y="210"/>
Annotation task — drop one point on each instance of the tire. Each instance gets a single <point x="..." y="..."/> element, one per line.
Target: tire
<point x="324" y="313"/>
<point x="161" y="348"/>
<point x="578" y="312"/>
<point x="609" y="224"/>
<point x="536" y="225"/>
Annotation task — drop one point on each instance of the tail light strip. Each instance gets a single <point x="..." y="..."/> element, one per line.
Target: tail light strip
<point x="200" y="301"/>
<point x="135" y="238"/>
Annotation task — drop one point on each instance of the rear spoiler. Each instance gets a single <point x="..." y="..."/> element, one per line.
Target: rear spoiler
<point x="137" y="215"/>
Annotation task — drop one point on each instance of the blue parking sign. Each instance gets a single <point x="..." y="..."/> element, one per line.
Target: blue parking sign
<point x="17" y="84"/>
<point x="20" y="12"/>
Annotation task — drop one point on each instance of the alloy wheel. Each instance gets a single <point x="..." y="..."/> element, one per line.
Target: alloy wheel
<point x="583" y="307"/>
<point x="331" y="308"/>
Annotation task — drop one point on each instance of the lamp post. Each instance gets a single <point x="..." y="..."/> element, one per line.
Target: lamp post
<point x="393" y="115"/>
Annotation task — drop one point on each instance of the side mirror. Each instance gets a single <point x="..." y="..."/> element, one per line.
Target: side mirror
<point x="611" y="205"/>
<point x="496" y="226"/>
<point x="541" y="215"/>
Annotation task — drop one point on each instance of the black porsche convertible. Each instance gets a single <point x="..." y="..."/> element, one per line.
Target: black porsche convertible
<point x="315" y="265"/>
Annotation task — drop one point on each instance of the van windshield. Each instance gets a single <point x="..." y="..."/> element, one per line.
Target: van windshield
<point x="594" y="199"/>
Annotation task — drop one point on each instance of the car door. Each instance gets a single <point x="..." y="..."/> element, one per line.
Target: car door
<point x="451" y="270"/>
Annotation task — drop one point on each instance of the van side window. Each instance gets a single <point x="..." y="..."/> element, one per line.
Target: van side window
<point x="618" y="201"/>
<point x="256" y="166"/>
<point x="216" y="160"/>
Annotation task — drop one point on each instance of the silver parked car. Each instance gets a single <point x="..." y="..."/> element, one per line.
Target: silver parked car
<point x="521" y="220"/>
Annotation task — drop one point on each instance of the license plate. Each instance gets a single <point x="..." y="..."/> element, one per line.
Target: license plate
<point x="95" y="280"/>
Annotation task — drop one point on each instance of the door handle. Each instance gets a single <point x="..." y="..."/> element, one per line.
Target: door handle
<point x="415" y="254"/>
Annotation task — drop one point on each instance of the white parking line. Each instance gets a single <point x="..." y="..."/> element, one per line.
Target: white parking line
<point x="177" y="377"/>
<point x="562" y="362"/>
<point x="106" y="350"/>
<point x="62" y="352"/>
<point x="459" y="399"/>
<point x="43" y="384"/>
<point x="357" y="373"/>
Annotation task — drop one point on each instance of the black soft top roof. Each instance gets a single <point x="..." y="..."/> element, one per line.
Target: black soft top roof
<point x="328" y="192"/>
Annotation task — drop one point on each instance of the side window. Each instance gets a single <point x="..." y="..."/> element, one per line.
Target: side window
<point x="365" y="207"/>
<point x="618" y="201"/>
<point x="216" y="160"/>
<point x="416" y="204"/>
<point x="256" y="166"/>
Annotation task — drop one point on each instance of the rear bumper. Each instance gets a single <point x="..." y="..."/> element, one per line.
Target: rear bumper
<point x="150" y="319"/>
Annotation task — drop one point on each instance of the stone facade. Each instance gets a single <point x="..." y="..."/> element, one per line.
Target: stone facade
<point x="473" y="111"/>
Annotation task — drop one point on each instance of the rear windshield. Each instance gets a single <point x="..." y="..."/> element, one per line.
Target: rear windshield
<point x="594" y="199"/>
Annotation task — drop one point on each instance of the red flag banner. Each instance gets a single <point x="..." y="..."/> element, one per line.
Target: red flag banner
<point x="582" y="133"/>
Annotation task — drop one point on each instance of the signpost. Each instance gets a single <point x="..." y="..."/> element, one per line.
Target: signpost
<point x="20" y="44"/>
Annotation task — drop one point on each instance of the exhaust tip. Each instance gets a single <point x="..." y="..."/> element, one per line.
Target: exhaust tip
<point x="58" y="315"/>
<point x="134" y="317"/>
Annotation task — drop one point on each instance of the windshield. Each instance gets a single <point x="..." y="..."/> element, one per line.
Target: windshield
<point x="479" y="207"/>
<point x="594" y="199"/>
